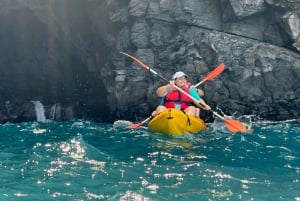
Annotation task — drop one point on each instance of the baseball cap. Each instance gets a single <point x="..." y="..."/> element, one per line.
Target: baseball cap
<point x="178" y="74"/>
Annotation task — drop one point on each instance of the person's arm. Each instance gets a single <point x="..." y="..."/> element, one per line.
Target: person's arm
<point x="199" y="91"/>
<point x="163" y="90"/>
<point x="194" y="93"/>
<point x="204" y="105"/>
<point x="201" y="103"/>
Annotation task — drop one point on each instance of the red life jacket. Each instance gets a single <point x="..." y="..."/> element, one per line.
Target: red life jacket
<point x="175" y="96"/>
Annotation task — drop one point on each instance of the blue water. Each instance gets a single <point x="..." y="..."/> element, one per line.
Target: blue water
<point x="83" y="160"/>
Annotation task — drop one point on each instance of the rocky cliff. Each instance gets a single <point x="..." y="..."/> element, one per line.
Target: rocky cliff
<point x="65" y="53"/>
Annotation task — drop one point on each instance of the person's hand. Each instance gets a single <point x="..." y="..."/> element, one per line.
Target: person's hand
<point x="172" y="83"/>
<point x="207" y="107"/>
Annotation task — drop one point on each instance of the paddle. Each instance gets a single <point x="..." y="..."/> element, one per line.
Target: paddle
<point x="217" y="71"/>
<point x="232" y="125"/>
<point x="138" y="125"/>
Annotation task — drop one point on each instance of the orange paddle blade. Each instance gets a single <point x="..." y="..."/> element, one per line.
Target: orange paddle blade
<point x="138" y="125"/>
<point x="235" y="126"/>
<point x="134" y="126"/>
<point x="217" y="71"/>
<point x="136" y="60"/>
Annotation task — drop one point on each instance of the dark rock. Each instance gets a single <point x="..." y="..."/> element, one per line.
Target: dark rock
<point x="66" y="54"/>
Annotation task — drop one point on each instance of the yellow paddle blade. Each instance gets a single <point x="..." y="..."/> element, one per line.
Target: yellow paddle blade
<point x="235" y="126"/>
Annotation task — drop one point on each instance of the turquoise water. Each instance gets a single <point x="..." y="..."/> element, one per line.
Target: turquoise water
<point x="83" y="160"/>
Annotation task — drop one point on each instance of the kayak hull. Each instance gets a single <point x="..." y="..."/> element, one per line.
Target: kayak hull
<point x="176" y="122"/>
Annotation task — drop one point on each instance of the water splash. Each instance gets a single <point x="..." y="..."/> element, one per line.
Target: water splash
<point x="121" y="124"/>
<point x="40" y="111"/>
<point x="53" y="112"/>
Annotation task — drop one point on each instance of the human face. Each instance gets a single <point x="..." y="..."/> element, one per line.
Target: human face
<point x="180" y="81"/>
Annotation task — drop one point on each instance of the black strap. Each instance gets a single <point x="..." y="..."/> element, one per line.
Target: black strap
<point x="188" y="120"/>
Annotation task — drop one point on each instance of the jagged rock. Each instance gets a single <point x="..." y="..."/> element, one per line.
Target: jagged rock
<point x="66" y="54"/>
<point x="292" y="22"/>
<point x="138" y="8"/>
<point x="285" y="4"/>
<point x="140" y="34"/>
<point x="245" y="8"/>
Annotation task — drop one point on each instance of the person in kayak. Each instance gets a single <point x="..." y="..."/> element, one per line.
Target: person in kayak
<point x="173" y="98"/>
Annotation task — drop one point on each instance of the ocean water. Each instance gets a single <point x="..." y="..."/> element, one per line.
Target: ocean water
<point x="83" y="160"/>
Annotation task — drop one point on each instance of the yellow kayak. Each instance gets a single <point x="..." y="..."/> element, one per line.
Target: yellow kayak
<point x="175" y="122"/>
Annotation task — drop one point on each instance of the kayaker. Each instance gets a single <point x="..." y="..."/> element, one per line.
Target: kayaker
<point x="173" y="98"/>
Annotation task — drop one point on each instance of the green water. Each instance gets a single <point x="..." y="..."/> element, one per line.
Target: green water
<point x="82" y="160"/>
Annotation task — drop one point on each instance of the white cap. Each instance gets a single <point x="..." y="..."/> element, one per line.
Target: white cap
<point x="178" y="74"/>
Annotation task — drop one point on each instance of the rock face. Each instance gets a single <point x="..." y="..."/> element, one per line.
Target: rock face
<point x="66" y="54"/>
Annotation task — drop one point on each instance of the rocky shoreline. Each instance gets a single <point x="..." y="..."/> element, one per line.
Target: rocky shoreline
<point x="65" y="54"/>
